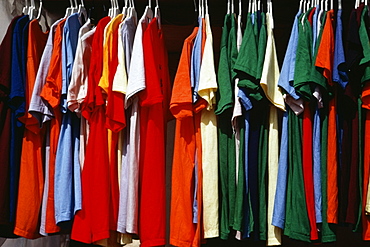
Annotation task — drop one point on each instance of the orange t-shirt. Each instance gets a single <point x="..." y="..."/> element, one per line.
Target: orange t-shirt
<point x="51" y="93"/>
<point x="187" y="140"/>
<point x="31" y="177"/>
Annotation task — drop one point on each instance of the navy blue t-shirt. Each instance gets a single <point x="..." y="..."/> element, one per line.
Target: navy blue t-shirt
<point x="17" y="105"/>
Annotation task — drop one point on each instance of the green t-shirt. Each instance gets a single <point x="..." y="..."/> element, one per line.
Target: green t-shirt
<point x="297" y="225"/>
<point x="225" y="90"/>
<point x="302" y="75"/>
<point x="364" y="38"/>
<point x="246" y="66"/>
<point x="226" y="138"/>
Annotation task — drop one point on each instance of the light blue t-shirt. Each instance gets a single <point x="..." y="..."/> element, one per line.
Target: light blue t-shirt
<point x="196" y="60"/>
<point x="314" y="27"/>
<point x="316" y="137"/>
<point x="278" y="217"/>
<point x="285" y="79"/>
<point x="67" y="166"/>
<point x="288" y="68"/>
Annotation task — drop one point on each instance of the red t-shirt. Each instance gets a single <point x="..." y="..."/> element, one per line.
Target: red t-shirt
<point x="153" y="115"/>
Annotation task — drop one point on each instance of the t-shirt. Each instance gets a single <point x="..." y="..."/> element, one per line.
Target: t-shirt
<point x="287" y="71"/>
<point x="50" y="95"/>
<point x="136" y="83"/>
<point x="196" y="60"/>
<point x="115" y="113"/>
<point x="16" y="104"/>
<point x="269" y="83"/>
<point x="154" y="102"/>
<point x="207" y="90"/>
<point x="77" y="89"/>
<point x="78" y="86"/>
<point x="182" y="230"/>
<point x="128" y="33"/>
<point x="285" y="82"/>
<point x="339" y="70"/>
<point x="5" y="75"/>
<point x="67" y="166"/>
<point x="91" y="223"/>
<point x="303" y="58"/>
<point x="226" y="145"/>
<point x="31" y="176"/>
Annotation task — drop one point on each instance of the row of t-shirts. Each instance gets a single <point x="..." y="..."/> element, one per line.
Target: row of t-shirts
<point x="309" y="172"/>
<point x="83" y="129"/>
<point x="194" y="188"/>
<point x="248" y="102"/>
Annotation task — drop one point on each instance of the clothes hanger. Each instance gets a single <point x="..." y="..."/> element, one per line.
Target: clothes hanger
<point x="157" y="14"/>
<point x="68" y="10"/>
<point x="339" y="4"/>
<point x="116" y="9"/>
<point x="82" y="10"/>
<point x="40" y="10"/>
<point x="332" y="4"/>
<point x="125" y="7"/>
<point x="32" y="10"/>
<point x="75" y="7"/>
<point x="240" y="7"/>
<point x="250" y="6"/>
<point x="148" y="12"/>
<point x="232" y="7"/>
<point x="259" y="5"/>
<point x="25" y="8"/>
<point x="326" y="5"/>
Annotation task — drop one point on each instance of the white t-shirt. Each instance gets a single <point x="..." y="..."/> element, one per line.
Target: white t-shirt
<point x="207" y="90"/>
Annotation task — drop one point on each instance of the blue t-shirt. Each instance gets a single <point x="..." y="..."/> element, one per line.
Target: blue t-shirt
<point x="288" y="68"/>
<point x="339" y="74"/>
<point x="278" y="217"/>
<point x="285" y="79"/>
<point x="67" y="166"/>
<point x="196" y="60"/>
<point x="17" y="106"/>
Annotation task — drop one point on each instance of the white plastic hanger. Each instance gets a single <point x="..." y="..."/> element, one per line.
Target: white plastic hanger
<point x="148" y="12"/>
<point x="40" y="10"/>
<point x="232" y="7"/>
<point x="125" y="7"/>
<point x="200" y="6"/>
<point x="240" y="7"/>
<point x="357" y="4"/>
<point x="82" y="10"/>
<point x="326" y="5"/>
<point x="68" y="10"/>
<point x="32" y="10"/>
<point x="250" y="6"/>
<point x="25" y="8"/>
<point x="339" y="4"/>
<point x="300" y="5"/>
<point x="157" y="14"/>
<point x="331" y="4"/>
<point x="259" y="5"/>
